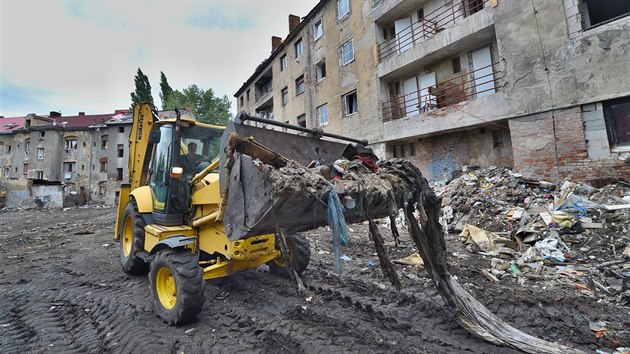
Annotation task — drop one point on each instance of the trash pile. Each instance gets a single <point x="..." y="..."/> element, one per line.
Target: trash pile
<point x="570" y="232"/>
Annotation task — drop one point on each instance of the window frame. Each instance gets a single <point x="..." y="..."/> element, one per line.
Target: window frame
<point x="300" y="85"/>
<point x="321" y="64"/>
<point x="611" y="123"/>
<point x="319" y="115"/>
<point x="316" y="27"/>
<point x="298" y="48"/>
<point x="284" y="96"/>
<point x="341" y="16"/>
<point x="284" y="62"/>
<point x="345" y="104"/>
<point x="43" y="153"/>
<point x="68" y="145"/>
<point x="343" y="54"/>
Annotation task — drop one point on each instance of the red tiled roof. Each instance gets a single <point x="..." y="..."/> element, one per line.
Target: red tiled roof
<point x="82" y="120"/>
<point x="11" y="123"/>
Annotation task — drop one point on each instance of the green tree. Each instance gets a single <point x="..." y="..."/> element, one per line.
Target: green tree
<point x="165" y="88"/>
<point x="207" y="107"/>
<point x="142" y="94"/>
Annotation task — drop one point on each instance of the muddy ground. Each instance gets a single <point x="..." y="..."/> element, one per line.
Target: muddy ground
<point x="62" y="290"/>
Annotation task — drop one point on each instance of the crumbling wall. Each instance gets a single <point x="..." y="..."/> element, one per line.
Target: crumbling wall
<point x="540" y="153"/>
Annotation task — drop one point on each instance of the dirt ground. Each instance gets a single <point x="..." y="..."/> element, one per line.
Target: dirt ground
<point x="62" y="290"/>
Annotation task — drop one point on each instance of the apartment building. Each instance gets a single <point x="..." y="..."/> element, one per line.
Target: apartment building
<point x="85" y="156"/>
<point x="540" y="86"/>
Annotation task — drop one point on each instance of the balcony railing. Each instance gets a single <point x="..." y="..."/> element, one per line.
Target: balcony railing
<point x="428" y="26"/>
<point x="468" y="86"/>
<point x="264" y="90"/>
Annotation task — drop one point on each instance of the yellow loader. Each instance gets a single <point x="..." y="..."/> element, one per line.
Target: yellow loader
<point x="201" y="203"/>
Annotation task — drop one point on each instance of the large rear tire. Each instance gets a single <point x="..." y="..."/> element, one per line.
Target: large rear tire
<point x="299" y="255"/>
<point x="177" y="285"/>
<point x="132" y="240"/>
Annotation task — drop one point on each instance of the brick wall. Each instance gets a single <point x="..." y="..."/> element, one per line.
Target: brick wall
<point x="535" y="153"/>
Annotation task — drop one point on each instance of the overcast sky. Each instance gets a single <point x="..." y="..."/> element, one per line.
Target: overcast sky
<point x="81" y="56"/>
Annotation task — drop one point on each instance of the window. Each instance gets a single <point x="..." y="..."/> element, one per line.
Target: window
<point x="25" y="169"/>
<point x="497" y="139"/>
<point x="27" y="146"/>
<point x="121" y="150"/>
<point x="617" y="117"/>
<point x="347" y="52"/>
<point x="321" y="70"/>
<point x="119" y="174"/>
<point x="285" y="95"/>
<point x="404" y="150"/>
<point x="103" y="166"/>
<point x="69" y="166"/>
<point x="298" y="48"/>
<point x="596" y="12"/>
<point x="8" y="149"/>
<point x="7" y="172"/>
<point x="102" y="190"/>
<point x="350" y="103"/>
<point x="104" y="139"/>
<point x="343" y="8"/>
<point x="121" y="129"/>
<point x="39" y="174"/>
<point x="456" y="64"/>
<point x="472" y="6"/>
<point x="42" y="134"/>
<point x="283" y="62"/>
<point x="318" y="31"/>
<point x="299" y="85"/>
<point x="40" y="153"/>
<point x="241" y="100"/>
<point x="301" y="119"/>
<point x="322" y="114"/>
<point x="70" y="143"/>
<point x="247" y="96"/>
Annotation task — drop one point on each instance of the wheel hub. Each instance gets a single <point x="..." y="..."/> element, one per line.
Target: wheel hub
<point x="166" y="288"/>
<point x="127" y="237"/>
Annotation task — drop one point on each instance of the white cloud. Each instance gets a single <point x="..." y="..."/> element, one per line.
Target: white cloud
<point x="82" y="56"/>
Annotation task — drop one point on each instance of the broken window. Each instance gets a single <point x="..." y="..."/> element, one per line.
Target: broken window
<point x="247" y="96"/>
<point x="318" y="29"/>
<point x="283" y="62"/>
<point x="299" y="85"/>
<point x="350" y="103"/>
<point x="27" y="146"/>
<point x="121" y="129"/>
<point x="597" y="12"/>
<point x="343" y="8"/>
<point x="472" y="6"/>
<point x="40" y="153"/>
<point x="8" y="149"/>
<point x="298" y="48"/>
<point x="301" y="119"/>
<point x="104" y="140"/>
<point x="404" y="150"/>
<point x="456" y="64"/>
<point x="347" y="52"/>
<point x="102" y="189"/>
<point x="7" y="172"/>
<point x="497" y="139"/>
<point x="241" y="99"/>
<point x="25" y="169"/>
<point x="42" y="134"/>
<point x="39" y="174"/>
<point x="70" y="143"/>
<point x="119" y="174"/>
<point x="322" y="114"/>
<point x="285" y="95"/>
<point x="121" y="150"/>
<point x="103" y="166"/>
<point x="617" y="116"/>
<point x="69" y="166"/>
<point x="321" y="70"/>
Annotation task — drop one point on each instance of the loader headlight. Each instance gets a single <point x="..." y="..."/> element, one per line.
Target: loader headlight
<point x="177" y="172"/>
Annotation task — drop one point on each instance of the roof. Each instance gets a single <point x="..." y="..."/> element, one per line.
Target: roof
<point x="81" y="120"/>
<point x="10" y="124"/>
<point x="260" y="68"/>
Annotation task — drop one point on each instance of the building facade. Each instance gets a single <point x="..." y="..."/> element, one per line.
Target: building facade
<point x="85" y="154"/>
<point x="539" y="86"/>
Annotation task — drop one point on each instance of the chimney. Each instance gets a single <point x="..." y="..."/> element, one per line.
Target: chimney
<point x="294" y="22"/>
<point x="81" y="113"/>
<point x="55" y="114"/>
<point x="275" y="43"/>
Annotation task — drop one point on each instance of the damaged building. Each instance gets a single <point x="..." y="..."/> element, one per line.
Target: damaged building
<point x="56" y="160"/>
<point x="538" y="86"/>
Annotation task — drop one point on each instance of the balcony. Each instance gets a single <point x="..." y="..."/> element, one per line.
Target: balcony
<point x="263" y="91"/>
<point x="428" y="26"/>
<point x="468" y="86"/>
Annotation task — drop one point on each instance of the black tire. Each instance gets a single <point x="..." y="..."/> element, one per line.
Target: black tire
<point x="299" y="255"/>
<point x="177" y="285"/>
<point x="132" y="240"/>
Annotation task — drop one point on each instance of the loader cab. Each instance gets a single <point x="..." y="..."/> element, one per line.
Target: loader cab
<point x="180" y="152"/>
